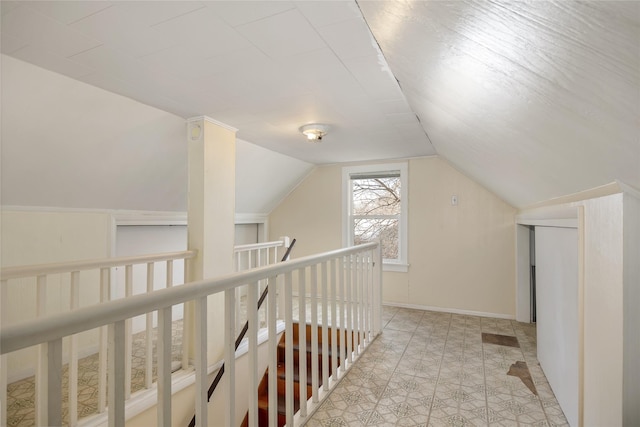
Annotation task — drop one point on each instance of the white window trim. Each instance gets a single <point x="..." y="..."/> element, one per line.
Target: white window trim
<point x="401" y="265"/>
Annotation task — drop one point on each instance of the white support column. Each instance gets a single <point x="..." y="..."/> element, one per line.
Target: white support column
<point x="211" y="215"/>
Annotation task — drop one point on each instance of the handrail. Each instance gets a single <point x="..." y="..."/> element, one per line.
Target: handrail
<point x="254" y="246"/>
<point x="240" y="337"/>
<point x="56" y="326"/>
<point x="20" y="271"/>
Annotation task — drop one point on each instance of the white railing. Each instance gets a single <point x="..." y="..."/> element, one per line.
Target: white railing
<point x="71" y="271"/>
<point x="346" y="282"/>
<point x="256" y="255"/>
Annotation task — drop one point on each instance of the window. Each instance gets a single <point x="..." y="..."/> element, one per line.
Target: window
<point x="375" y="207"/>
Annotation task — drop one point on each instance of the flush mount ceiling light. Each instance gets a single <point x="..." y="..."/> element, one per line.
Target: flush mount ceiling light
<point x="314" y="131"/>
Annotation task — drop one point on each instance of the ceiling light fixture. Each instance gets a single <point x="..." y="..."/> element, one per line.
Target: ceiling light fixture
<point x="314" y="131"/>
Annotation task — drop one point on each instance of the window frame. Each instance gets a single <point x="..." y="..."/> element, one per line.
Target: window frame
<point x="401" y="264"/>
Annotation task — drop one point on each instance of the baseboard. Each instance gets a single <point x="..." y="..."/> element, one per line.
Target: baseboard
<point x="451" y="310"/>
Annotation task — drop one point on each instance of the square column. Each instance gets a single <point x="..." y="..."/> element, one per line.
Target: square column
<point x="211" y="216"/>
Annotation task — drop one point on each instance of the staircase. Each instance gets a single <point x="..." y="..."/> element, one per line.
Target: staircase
<point x="263" y="389"/>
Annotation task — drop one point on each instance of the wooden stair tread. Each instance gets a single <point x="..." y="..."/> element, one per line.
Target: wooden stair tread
<point x="263" y="392"/>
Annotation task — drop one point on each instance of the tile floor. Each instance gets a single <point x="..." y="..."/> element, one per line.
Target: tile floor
<point x="430" y="368"/>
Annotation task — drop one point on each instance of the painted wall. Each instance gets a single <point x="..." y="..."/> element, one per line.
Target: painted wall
<point x="461" y="257"/>
<point x="609" y="282"/>
<point x="556" y="253"/>
<point x="603" y="308"/>
<point x="46" y="237"/>
<point x="631" y="304"/>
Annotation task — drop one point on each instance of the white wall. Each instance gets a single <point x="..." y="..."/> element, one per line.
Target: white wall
<point x="631" y="307"/>
<point x="603" y="311"/>
<point x="556" y="251"/>
<point x="608" y="221"/>
<point x="461" y="257"/>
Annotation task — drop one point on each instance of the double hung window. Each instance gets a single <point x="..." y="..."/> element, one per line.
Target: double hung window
<point x="375" y="208"/>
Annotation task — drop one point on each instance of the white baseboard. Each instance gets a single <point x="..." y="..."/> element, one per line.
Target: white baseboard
<point x="451" y="310"/>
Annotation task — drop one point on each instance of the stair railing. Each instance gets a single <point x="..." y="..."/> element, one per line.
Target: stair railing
<point x="241" y="335"/>
<point x="85" y="274"/>
<point x="349" y="278"/>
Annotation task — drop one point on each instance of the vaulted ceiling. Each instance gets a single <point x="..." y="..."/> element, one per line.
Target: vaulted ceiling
<point x="534" y="100"/>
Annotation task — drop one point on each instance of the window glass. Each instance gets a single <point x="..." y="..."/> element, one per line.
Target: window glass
<point x="375" y="209"/>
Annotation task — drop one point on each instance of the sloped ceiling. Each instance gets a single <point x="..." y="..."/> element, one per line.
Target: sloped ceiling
<point x="69" y="144"/>
<point x="534" y="100"/>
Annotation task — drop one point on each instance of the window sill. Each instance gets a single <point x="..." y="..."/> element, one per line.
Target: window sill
<point x="395" y="266"/>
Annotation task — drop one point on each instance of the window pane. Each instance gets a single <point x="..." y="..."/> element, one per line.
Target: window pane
<point x="376" y="196"/>
<point x="367" y="230"/>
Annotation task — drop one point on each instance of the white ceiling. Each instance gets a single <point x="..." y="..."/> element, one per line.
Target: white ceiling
<point x="264" y="67"/>
<point x="534" y="100"/>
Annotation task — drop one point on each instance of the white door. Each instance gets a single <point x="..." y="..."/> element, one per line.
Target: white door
<point x="556" y="251"/>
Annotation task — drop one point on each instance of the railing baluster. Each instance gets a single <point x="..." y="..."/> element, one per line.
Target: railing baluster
<point x="186" y="319"/>
<point x="273" y="352"/>
<point x="358" y="303"/>
<point x="377" y="290"/>
<point x="325" y="326"/>
<point x="164" y="366"/>
<point x="105" y="279"/>
<point x="116" y="374"/>
<point x="252" y="318"/>
<point x="334" y="322"/>
<point x="288" y="311"/>
<point x="365" y="298"/>
<point x="4" y="291"/>
<point x="74" y="303"/>
<point x="200" y="361"/>
<point x="41" y="377"/>
<point x="148" y="370"/>
<point x="230" y="355"/>
<point x="313" y="296"/>
<point x="128" y="343"/>
<point x="302" y="340"/>
<point x="362" y="303"/>
<point x="169" y="273"/>
<point x="53" y="362"/>
<point x="343" y="329"/>
<point x="349" y="303"/>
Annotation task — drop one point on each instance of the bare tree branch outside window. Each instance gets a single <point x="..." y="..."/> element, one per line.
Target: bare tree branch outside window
<point x="376" y="212"/>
